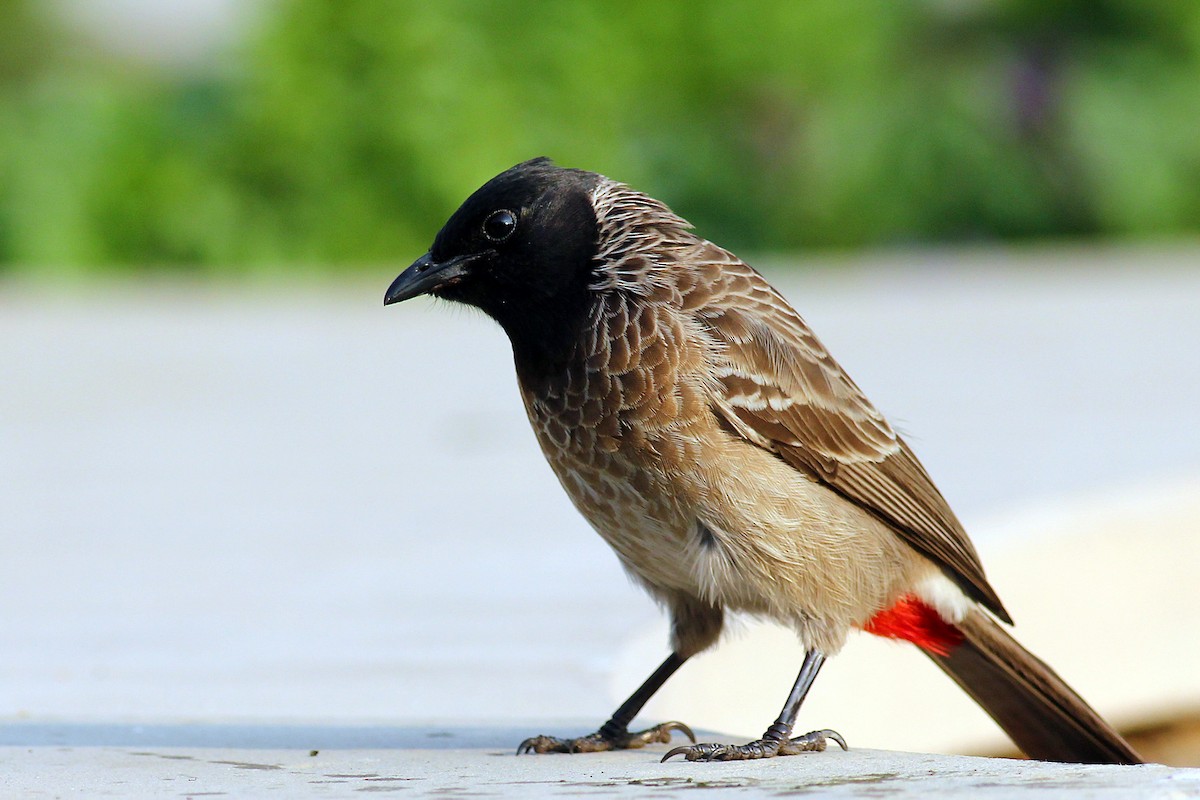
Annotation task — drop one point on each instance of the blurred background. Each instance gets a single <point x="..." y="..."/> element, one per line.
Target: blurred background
<point x="235" y="490"/>
<point x="214" y="135"/>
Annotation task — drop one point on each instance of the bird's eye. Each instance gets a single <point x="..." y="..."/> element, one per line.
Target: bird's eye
<point x="500" y="225"/>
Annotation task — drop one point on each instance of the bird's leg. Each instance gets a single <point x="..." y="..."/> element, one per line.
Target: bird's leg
<point x="614" y="734"/>
<point x="777" y="741"/>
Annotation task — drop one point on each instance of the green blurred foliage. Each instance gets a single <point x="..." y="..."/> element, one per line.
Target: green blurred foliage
<point x="344" y="132"/>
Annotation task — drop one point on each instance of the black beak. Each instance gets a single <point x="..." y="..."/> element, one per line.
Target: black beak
<point x="425" y="275"/>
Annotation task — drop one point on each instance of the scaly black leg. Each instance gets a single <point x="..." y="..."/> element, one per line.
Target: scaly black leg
<point x="614" y="734"/>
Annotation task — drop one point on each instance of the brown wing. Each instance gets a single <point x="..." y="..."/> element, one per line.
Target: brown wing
<point x="783" y="391"/>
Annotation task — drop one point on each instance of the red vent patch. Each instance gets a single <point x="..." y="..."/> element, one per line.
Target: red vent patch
<point x="914" y="621"/>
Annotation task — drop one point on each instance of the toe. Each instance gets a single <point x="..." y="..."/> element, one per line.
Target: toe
<point x="812" y="742"/>
<point x="541" y="744"/>
<point x="696" y="752"/>
<point x="660" y="734"/>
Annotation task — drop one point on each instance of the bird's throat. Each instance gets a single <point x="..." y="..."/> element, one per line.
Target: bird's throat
<point x="545" y="338"/>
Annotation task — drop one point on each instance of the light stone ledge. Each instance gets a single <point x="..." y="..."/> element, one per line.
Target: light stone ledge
<point x="189" y="760"/>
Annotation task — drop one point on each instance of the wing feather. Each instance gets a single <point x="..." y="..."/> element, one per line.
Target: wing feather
<point x="780" y="389"/>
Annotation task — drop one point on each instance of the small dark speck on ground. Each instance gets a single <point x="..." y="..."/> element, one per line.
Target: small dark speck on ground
<point x="248" y="765"/>
<point x="872" y="785"/>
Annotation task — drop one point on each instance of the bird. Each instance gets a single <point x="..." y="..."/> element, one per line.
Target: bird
<point x="704" y="431"/>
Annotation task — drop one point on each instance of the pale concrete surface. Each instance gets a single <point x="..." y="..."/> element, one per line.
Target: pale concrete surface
<point x="282" y="504"/>
<point x="175" y="761"/>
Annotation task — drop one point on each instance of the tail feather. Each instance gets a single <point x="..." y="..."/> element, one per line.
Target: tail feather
<point x="1036" y="708"/>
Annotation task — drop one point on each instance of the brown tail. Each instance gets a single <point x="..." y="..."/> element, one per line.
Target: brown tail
<point x="1036" y="708"/>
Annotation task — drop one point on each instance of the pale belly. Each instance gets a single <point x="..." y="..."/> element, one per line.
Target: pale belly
<point x="719" y="519"/>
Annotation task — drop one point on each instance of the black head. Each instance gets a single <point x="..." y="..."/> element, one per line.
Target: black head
<point x="520" y="248"/>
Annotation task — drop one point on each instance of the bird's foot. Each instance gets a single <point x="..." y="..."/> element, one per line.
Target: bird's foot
<point x="605" y="740"/>
<point x="816" y="741"/>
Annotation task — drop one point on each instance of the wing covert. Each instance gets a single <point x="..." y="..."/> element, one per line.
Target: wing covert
<point x="780" y="389"/>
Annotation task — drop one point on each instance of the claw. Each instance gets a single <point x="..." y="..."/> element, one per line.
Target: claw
<point x="674" y="752"/>
<point x="695" y="752"/>
<point x="663" y="732"/>
<point x="675" y="725"/>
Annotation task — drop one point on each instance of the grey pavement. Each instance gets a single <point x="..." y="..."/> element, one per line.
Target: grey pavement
<point x="437" y="763"/>
<point x="279" y="504"/>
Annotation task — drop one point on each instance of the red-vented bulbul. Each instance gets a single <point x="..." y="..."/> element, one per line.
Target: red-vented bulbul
<point x="704" y="431"/>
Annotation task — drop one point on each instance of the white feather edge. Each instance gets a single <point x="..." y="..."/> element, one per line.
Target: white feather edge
<point x="944" y="596"/>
